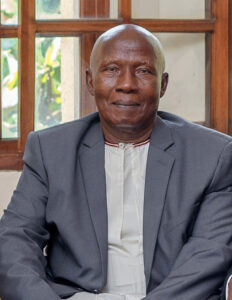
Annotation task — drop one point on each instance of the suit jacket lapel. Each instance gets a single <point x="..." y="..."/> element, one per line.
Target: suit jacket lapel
<point x="159" y="165"/>
<point x="93" y="170"/>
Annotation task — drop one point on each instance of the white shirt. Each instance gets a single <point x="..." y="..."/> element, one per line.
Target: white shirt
<point x="125" y="168"/>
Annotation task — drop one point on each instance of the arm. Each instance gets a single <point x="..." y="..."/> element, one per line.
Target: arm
<point x="23" y="233"/>
<point x="200" y="267"/>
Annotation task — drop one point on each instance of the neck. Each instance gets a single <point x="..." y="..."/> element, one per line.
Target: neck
<point x="118" y="135"/>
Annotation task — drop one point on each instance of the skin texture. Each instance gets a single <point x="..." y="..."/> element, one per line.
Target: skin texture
<point x="127" y="80"/>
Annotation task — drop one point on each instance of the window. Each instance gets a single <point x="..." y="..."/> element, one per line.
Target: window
<point x="46" y="44"/>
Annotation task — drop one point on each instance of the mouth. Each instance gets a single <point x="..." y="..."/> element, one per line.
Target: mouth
<point x="125" y="104"/>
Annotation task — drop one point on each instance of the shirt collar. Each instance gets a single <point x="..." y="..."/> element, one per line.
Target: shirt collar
<point x="135" y="144"/>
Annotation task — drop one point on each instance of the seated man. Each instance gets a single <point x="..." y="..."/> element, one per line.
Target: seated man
<point x="127" y="203"/>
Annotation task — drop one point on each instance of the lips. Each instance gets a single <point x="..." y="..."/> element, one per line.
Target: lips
<point x="125" y="104"/>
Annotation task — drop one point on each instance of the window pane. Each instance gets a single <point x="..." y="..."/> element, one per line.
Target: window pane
<point x="9" y="12"/>
<point x="48" y="9"/>
<point x="185" y="63"/>
<point x="113" y="9"/>
<point x="63" y="9"/>
<point x="168" y="9"/>
<point x="57" y="81"/>
<point x="9" y="87"/>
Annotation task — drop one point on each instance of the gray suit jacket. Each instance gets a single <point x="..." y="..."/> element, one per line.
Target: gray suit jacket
<point x="60" y="205"/>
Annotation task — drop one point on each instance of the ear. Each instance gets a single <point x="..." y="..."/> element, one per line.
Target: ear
<point x="89" y="81"/>
<point x="164" y="84"/>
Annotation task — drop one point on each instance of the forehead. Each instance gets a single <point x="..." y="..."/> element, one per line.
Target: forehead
<point x="131" y="49"/>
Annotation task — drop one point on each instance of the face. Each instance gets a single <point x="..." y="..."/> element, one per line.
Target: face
<point x="126" y="84"/>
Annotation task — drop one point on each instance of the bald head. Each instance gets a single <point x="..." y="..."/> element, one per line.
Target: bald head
<point x="127" y="81"/>
<point x="128" y="32"/>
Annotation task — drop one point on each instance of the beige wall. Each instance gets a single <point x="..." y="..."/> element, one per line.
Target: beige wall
<point x="8" y="181"/>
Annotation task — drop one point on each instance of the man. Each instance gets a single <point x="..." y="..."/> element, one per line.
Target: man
<point x="127" y="203"/>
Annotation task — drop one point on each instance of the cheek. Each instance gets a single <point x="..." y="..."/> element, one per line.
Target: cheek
<point x="104" y="86"/>
<point x="150" y="87"/>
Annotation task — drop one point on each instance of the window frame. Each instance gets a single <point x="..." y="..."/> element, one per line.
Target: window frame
<point x="218" y="64"/>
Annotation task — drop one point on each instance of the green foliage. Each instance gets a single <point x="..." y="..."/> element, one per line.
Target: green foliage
<point x="7" y="14"/>
<point x="5" y="66"/>
<point x="9" y="11"/>
<point x="48" y="77"/>
<point x="9" y="78"/>
<point x="48" y="84"/>
<point x="48" y="81"/>
<point x="9" y="72"/>
<point x="48" y="6"/>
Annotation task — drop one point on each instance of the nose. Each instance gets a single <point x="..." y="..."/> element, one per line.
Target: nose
<point x="126" y="82"/>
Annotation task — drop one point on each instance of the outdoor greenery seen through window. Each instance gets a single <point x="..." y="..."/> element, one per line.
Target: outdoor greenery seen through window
<point x="9" y="80"/>
<point x="9" y="72"/>
<point x="9" y="12"/>
<point x="47" y="9"/>
<point x="48" y="82"/>
<point x="48" y="79"/>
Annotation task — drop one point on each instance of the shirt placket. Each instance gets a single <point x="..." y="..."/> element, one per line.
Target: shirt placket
<point x="121" y="152"/>
<point x="135" y="170"/>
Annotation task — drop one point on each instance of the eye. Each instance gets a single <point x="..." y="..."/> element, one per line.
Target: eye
<point x="144" y="71"/>
<point x="111" y="69"/>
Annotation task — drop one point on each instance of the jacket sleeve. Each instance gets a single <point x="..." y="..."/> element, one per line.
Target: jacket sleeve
<point x="224" y="294"/>
<point x="200" y="268"/>
<point x="23" y="233"/>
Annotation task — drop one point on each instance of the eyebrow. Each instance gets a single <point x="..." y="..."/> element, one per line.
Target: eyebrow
<point x="115" y="61"/>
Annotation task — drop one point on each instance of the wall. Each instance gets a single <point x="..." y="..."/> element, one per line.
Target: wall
<point x="8" y="181"/>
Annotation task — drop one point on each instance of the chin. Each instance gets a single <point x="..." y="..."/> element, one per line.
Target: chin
<point x="126" y="126"/>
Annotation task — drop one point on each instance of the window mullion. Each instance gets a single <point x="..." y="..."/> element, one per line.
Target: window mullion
<point x="125" y="10"/>
<point x="0" y="89"/>
<point x="70" y="27"/>
<point x="93" y="9"/>
<point x="230" y="66"/>
<point x="27" y="70"/>
<point x="220" y="68"/>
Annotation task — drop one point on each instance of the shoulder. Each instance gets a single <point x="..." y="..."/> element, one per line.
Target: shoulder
<point x="199" y="150"/>
<point x="66" y="132"/>
<point x="62" y="139"/>
<point x="70" y="127"/>
<point x="188" y="132"/>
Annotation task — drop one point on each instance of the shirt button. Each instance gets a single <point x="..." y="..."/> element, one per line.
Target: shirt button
<point x="121" y="145"/>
